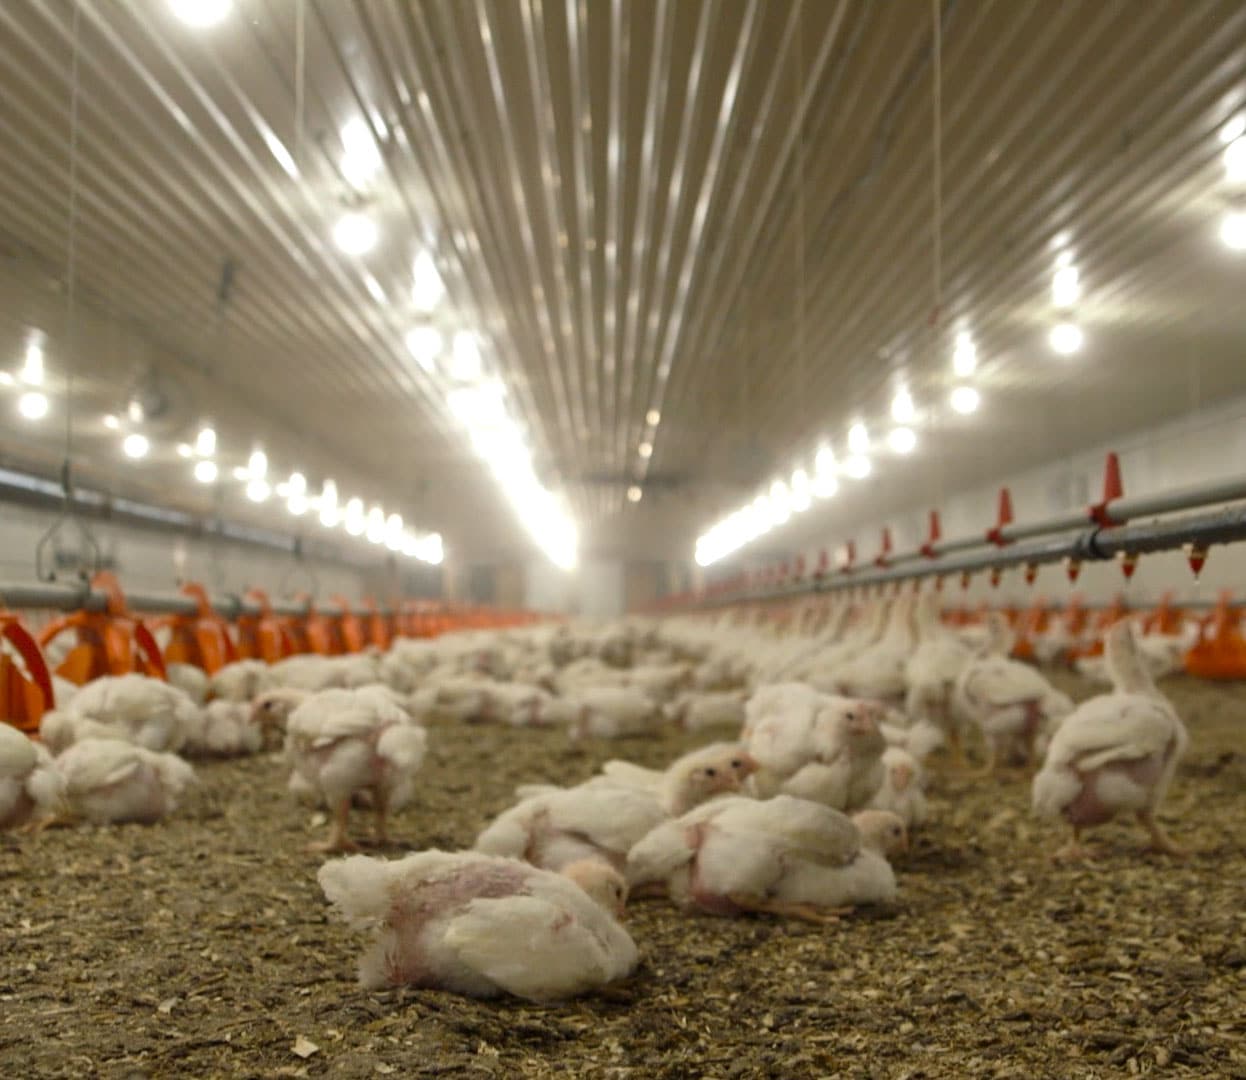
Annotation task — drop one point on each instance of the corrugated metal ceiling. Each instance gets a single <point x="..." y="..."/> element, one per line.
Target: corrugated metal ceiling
<point x="721" y="211"/>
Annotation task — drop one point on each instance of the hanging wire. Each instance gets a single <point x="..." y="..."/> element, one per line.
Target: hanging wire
<point x="802" y="377"/>
<point x="300" y="76"/>
<point x="936" y="183"/>
<point x="89" y="552"/>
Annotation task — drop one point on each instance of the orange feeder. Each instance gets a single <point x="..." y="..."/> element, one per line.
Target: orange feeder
<point x="110" y="642"/>
<point x="202" y="639"/>
<point x="380" y="627"/>
<point x="264" y="636"/>
<point x="351" y="630"/>
<point x="318" y="632"/>
<point x="1221" y="649"/>
<point x="1029" y="626"/>
<point x="24" y="696"/>
<point x="1108" y="617"/>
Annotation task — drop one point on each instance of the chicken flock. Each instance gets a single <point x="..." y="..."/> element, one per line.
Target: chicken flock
<point x="813" y="773"/>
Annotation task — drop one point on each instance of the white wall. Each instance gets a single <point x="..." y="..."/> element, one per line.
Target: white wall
<point x="595" y="588"/>
<point x="1204" y="446"/>
<point x="157" y="560"/>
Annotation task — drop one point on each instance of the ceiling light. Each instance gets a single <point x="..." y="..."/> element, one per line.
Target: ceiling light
<point x="427" y="288"/>
<point x="761" y="514"/>
<point x="1066" y="338"/>
<point x="205" y="442"/>
<point x="184" y="450"/>
<point x="258" y="490"/>
<point x="111" y="422"/>
<point x="135" y="445"/>
<point x="374" y="287"/>
<point x="355" y="233"/>
<point x="780" y="503"/>
<point x="1233" y="230"/>
<point x="825" y="485"/>
<point x="393" y="532"/>
<point x="653" y="417"/>
<point x="257" y="465"/>
<point x="965" y="399"/>
<point x="634" y="494"/>
<point x="824" y="461"/>
<point x="964" y="356"/>
<point x="284" y="158"/>
<point x="1065" y="287"/>
<point x="1065" y="258"/>
<point x="135" y="411"/>
<point x="645" y="449"/>
<point x="32" y="369"/>
<point x="328" y="504"/>
<point x="902" y="440"/>
<point x="205" y="471"/>
<point x="425" y="344"/>
<point x="465" y="357"/>
<point x="858" y="439"/>
<point x="33" y="405"/>
<point x="902" y="410"/>
<point x="478" y="407"/>
<point x="362" y="160"/>
<point x="201" y="13"/>
<point x="857" y="466"/>
<point x="297" y="504"/>
<point x="1235" y="160"/>
<point x="298" y="484"/>
<point x="375" y="531"/>
<point x="6" y="379"/>
<point x="240" y="472"/>
<point x="1233" y="128"/>
<point x="355" y="522"/>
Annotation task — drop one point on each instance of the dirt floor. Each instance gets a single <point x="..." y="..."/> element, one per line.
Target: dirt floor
<point x="203" y="947"/>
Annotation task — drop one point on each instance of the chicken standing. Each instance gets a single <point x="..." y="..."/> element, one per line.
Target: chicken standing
<point x="479" y="925"/>
<point x="341" y="742"/>
<point x="1114" y="754"/>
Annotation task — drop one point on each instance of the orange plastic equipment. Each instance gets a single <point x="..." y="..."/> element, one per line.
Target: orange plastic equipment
<point x="201" y="639"/>
<point x="380" y="627"/>
<point x="24" y="696"/>
<point x="264" y="636"/>
<point x="1221" y="650"/>
<point x="1030" y="625"/>
<point x="1164" y="619"/>
<point x="351" y="630"/>
<point x="110" y="642"/>
<point x="317" y="632"/>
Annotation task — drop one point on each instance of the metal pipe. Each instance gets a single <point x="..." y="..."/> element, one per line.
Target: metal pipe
<point x="1094" y="544"/>
<point x="83" y="598"/>
<point x="1119" y="511"/>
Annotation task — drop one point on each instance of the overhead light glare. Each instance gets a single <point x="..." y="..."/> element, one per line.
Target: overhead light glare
<point x="1233" y="231"/>
<point x="645" y="450"/>
<point x="1065" y="287"/>
<point x="634" y="494"/>
<point x="653" y="417"/>
<point x="205" y="442"/>
<point x="857" y="466"/>
<point x="258" y="490"/>
<point x="135" y="445"/>
<point x="355" y="233"/>
<point x="965" y="399"/>
<point x="205" y="471"/>
<point x="902" y="409"/>
<point x="1066" y="338"/>
<point x="201" y="14"/>
<point x="964" y="356"/>
<point x="185" y="450"/>
<point x="427" y="288"/>
<point x="902" y="440"/>
<point x="425" y="344"/>
<point x="33" y="405"/>
<point x="858" y="439"/>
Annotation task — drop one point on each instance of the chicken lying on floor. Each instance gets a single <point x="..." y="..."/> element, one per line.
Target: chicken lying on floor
<point x="29" y="783"/>
<point x="1114" y="754"/>
<point x="340" y="742"/>
<point x="109" y="781"/>
<point x="138" y="709"/>
<point x="780" y="856"/>
<point x="478" y="925"/>
<point x="602" y="818"/>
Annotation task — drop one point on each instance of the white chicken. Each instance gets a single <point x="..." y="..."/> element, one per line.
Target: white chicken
<point x="695" y="711"/>
<point x="604" y="817"/>
<point x="613" y="712"/>
<point x="1115" y="754"/>
<point x="147" y="712"/>
<point x="828" y="749"/>
<point x="190" y="680"/>
<point x="30" y="786"/>
<point x="109" y="781"/>
<point x="902" y="792"/>
<point x="931" y="672"/>
<point x="782" y="856"/>
<point x="226" y="729"/>
<point x="877" y="672"/>
<point x="340" y="742"/>
<point x="478" y="925"/>
<point x="1012" y="705"/>
<point x="243" y="680"/>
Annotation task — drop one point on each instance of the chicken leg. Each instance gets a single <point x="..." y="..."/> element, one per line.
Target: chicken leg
<point x="788" y="909"/>
<point x="1073" y="851"/>
<point x="1160" y="840"/>
<point x="338" y="840"/>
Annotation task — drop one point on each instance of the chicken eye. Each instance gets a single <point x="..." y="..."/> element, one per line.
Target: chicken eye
<point x="850" y="716"/>
<point x="735" y="763"/>
<point x="711" y="772"/>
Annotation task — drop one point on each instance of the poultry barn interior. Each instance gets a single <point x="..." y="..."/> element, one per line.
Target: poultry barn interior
<point x="622" y="538"/>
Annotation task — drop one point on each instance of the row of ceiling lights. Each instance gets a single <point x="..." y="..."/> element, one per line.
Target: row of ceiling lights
<point x="377" y="526"/>
<point x="474" y="400"/>
<point x="1065" y="337"/>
